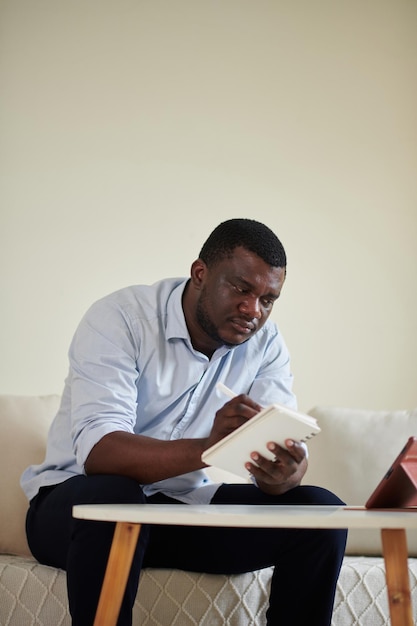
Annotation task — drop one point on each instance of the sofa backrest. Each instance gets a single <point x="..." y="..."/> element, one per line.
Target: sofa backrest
<point x="24" y="423"/>
<point x="351" y="455"/>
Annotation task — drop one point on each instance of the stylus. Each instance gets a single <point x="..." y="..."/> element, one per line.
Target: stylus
<point x="225" y="390"/>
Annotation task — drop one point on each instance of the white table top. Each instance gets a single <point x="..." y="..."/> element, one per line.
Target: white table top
<point x="263" y="516"/>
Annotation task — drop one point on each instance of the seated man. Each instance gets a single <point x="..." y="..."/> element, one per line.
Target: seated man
<point x="138" y="409"/>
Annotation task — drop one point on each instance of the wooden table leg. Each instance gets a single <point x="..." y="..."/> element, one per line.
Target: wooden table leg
<point x="394" y="546"/>
<point x="117" y="572"/>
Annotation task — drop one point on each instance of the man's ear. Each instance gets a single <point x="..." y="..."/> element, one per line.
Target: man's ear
<point x="198" y="273"/>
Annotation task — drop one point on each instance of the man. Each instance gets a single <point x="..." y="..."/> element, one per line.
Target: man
<point x="138" y="409"/>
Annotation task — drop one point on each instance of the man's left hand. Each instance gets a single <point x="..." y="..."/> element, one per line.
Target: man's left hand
<point x="284" y="473"/>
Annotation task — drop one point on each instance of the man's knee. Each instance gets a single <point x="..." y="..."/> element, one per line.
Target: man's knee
<point x="112" y="489"/>
<point x="307" y="494"/>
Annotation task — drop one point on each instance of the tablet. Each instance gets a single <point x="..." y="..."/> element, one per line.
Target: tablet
<point x="398" y="488"/>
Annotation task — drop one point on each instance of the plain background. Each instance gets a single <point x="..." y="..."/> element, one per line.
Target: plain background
<point x="131" y="128"/>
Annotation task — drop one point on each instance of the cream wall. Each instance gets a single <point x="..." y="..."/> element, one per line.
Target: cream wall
<point x="130" y="128"/>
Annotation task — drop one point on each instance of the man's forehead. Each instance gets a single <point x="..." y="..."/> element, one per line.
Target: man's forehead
<point x="254" y="272"/>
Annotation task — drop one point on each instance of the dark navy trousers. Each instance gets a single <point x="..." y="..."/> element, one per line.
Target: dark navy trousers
<point x="307" y="562"/>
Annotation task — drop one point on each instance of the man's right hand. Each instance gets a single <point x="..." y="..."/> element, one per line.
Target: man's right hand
<point x="232" y="415"/>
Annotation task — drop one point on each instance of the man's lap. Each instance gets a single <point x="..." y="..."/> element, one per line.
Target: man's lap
<point x="216" y="550"/>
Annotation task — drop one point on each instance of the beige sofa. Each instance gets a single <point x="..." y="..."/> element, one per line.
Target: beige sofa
<point x="349" y="456"/>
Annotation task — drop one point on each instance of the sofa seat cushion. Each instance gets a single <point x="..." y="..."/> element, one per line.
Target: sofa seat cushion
<point x="361" y="594"/>
<point x="350" y="456"/>
<point x="35" y="594"/>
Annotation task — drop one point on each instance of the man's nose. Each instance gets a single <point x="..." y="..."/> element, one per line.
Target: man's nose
<point x="251" y="307"/>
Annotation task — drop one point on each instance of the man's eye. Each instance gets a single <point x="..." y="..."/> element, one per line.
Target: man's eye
<point x="241" y="289"/>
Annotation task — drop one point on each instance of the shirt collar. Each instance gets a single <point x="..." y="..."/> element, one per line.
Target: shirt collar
<point x="176" y="327"/>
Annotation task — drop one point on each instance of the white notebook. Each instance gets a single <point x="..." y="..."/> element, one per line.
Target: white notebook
<point x="274" y="423"/>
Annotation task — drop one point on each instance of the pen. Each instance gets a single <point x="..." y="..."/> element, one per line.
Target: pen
<point x="225" y="390"/>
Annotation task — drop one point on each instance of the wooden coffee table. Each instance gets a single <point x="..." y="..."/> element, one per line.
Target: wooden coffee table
<point x="129" y="517"/>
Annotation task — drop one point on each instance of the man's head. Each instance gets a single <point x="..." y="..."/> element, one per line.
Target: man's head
<point x="249" y="234"/>
<point x="234" y="284"/>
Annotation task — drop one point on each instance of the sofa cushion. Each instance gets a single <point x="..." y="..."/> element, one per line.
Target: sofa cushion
<point x="36" y="595"/>
<point x="24" y="423"/>
<point x="350" y="456"/>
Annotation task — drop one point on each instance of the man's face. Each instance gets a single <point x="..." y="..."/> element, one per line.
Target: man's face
<point x="236" y="297"/>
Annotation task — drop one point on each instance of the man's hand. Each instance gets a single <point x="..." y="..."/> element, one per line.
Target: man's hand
<point x="273" y="477"/>
<point x="284" y="473"/>
<point x="232" y="415"/>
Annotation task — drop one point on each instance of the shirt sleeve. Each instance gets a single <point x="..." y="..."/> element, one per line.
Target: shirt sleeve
<point x="103" y="371"/>
<point x="274" y="379"/>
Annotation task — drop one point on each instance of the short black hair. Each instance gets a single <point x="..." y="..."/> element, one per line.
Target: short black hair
<point x="251" y="235"/>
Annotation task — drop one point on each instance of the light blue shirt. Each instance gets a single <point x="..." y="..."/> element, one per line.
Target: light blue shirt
<point x="132" y="368"/>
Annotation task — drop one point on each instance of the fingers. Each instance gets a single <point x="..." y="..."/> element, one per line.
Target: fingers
<point x="242" y="404"/>
<point x="285" y="463"/>
<point x="232" y="415"/>
<point x="293" y="449"/>
<point x="238" y="411"/>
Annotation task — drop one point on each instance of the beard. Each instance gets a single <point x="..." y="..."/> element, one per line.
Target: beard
<point x="206" y="323"/>
<point x="204" y="320"/>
